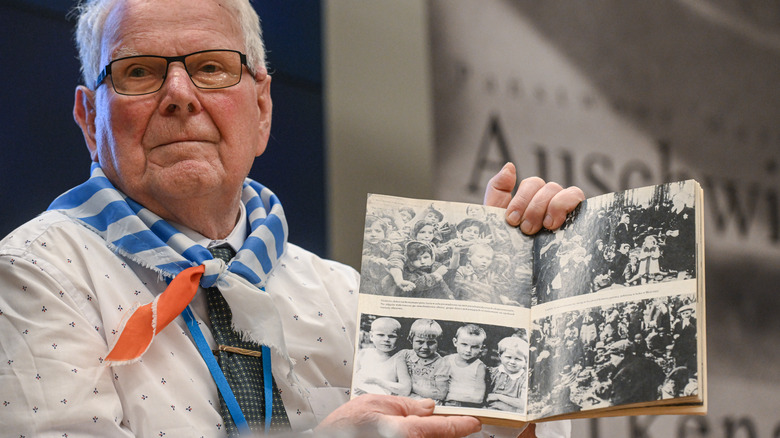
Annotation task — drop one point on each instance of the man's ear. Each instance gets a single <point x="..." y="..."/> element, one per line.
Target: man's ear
<point x="84" y="114"/>
<point x="264" y="104"/>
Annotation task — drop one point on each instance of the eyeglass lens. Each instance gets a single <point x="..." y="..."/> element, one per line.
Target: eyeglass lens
<point x="146" y="74"/>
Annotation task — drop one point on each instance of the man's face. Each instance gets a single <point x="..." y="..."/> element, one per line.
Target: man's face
<point x="181" y="142"/>
<point x="424" y="347"/>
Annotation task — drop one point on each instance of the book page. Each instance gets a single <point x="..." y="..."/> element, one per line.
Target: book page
<point x="615" y="304"/>
<point x="444" y="296"/>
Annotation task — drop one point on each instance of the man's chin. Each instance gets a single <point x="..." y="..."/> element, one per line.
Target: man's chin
<point x="185" y="180"/>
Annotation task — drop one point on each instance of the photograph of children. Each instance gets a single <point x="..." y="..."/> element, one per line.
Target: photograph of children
<point x="625" y="239"/>
<point x="448" y="251"/>
<point x="454" y="363"/>
<point x="612" y="355"/>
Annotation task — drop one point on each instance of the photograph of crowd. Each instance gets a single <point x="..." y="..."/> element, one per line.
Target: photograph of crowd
<point x="613" y="355"/>
<point x="454" y="363"/>
<point x="444" y="251"/>
<point x="623" y="239"/>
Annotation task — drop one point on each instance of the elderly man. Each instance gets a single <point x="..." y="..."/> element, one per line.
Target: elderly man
<point x="161" y="296"/>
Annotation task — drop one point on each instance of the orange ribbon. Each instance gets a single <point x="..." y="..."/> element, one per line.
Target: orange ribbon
<point x="140" y="328"/>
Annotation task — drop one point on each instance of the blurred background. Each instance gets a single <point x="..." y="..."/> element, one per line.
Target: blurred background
<point x="429" y="98"/>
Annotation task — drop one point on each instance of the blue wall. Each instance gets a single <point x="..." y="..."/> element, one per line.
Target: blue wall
<point x="43" y="152"/>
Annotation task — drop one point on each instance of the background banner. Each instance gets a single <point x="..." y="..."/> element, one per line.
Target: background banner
<point x="613" y="94"/>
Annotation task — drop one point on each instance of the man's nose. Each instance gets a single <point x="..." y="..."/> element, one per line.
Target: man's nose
<point x="180" y="93"/>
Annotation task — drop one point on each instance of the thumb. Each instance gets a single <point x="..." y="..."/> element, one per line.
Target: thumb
<point x="499" y="189"/>
<point x="421" y="408"/>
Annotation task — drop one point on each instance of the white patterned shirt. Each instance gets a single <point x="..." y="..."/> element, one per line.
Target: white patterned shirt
<point x="63" y="293"/>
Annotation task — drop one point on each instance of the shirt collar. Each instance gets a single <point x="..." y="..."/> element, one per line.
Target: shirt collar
<point x="235" y="239"/>
<point x="515" y="376"/>
<point x="415" y="358"/>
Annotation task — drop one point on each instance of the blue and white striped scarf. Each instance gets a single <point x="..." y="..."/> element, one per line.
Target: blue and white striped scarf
<point x="142" y="236"/>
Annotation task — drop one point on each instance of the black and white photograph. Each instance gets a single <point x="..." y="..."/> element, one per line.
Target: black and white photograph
<point x="454" y="363"/>
<point x="441" y="250"/>
<point x="629" y="352"/>
<point x="624" y="239"/>
<point x="615" y="341"/>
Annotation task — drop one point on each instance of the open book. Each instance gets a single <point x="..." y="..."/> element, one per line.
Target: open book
<point x="602" y="317"/>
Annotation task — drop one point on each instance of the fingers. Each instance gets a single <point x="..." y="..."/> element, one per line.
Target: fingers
<point x="528" y="208"/>
<point x="538" y="204"/>
<point x="368" y="408"/>
<point x="432" y="426"/>
<point x="406" y="406"/>
<point x="413" y="418"/>
<point x="390" y="416"/>
<point x="563" y="203"/>
<point x="499" y="189"/>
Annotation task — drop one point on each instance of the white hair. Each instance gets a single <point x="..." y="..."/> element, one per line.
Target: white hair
<point x="92" y="18"/>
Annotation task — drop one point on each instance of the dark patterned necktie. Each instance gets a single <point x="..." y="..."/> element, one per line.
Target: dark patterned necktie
<point x="242" y="364"/>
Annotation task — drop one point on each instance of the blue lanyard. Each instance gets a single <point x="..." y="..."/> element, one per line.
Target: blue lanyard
<point x="268" y="380"/>
<point x="222" y="383"/>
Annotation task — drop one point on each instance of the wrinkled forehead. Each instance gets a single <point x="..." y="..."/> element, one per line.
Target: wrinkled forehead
<point x="168" y="27"/>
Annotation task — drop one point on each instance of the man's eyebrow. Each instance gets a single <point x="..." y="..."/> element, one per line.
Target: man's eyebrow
<point x="123" y="52"/>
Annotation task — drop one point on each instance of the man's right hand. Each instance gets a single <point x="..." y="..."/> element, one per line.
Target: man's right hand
<point x="394" y="417"/>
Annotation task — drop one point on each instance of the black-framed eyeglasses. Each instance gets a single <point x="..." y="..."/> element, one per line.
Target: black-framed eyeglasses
<point x="145" y="74"/>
